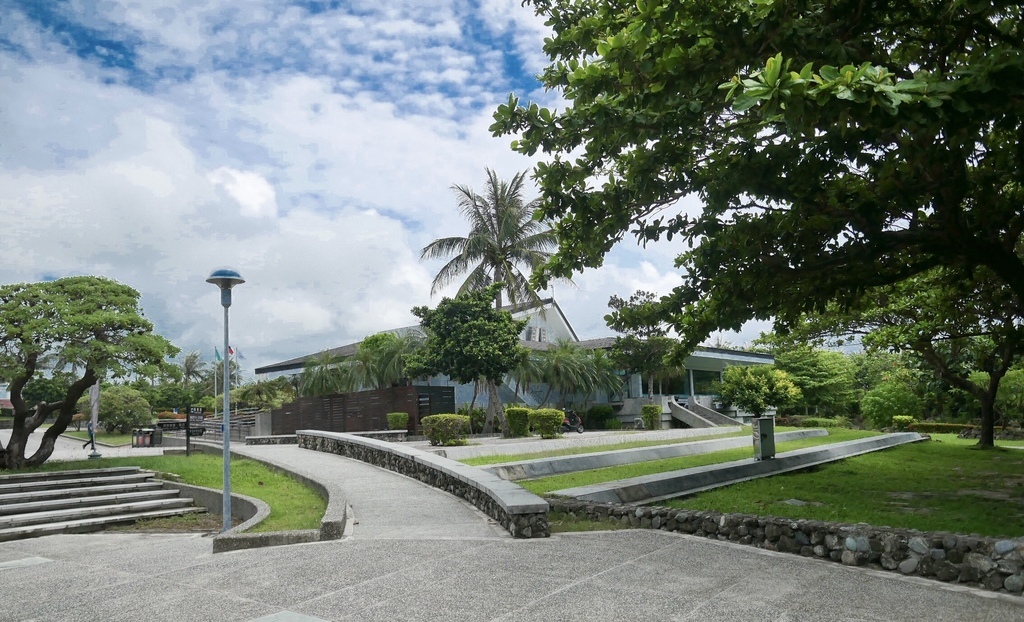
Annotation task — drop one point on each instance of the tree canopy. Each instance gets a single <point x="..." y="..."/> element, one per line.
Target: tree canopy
<point x="756" y="388"/>
<point x="468" y="339"/>
<point x="833" y="146"/>
<point x="93" y="324"/>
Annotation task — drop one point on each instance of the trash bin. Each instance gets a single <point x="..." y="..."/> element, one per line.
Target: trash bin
<point x="764" y="437"/>
<point x="158" y="436"/>
<point x="136" y="436"/>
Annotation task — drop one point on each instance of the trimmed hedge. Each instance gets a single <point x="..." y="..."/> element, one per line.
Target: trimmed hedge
<point x="651" y="414"/>
<point x="446" y="429"/>
<point x="598" y="416"/>
<point x="169" y="415"/>
<point x="902" y="423"/>
<point x="928" y="427"/>
<point x="398" y="421"/>
<point x="518" y="420"/>
<point x="547" y="422"/>
<point x="822" y="422"/>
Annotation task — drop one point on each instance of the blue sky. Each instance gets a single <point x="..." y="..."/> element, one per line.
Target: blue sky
<point x="311" y="146"/>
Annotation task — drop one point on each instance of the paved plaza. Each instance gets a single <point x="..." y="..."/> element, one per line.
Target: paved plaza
<point x="416" y="553"/>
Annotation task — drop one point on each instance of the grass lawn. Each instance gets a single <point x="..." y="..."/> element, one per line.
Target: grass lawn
<point x="292" y="505"/>
<point x="545" y="485"/>
<point x="109" y="438"/>
<point x="941" y="485"/>
<point x="572" y="451"/>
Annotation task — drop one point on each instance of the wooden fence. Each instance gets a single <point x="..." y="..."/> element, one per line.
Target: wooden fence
<point x="362" y="411"/>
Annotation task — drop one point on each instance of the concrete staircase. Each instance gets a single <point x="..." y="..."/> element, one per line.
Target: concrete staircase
<point x="41" y="504"/>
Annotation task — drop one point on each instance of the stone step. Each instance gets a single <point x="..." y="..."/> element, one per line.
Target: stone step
<point x="82" y="482"/>
<point x="63" y="493"/>
<point x="39" y="476"/>
<point x="66" y="503"/>
<point x="77" y="514"/>
<point x="89" y="524"/>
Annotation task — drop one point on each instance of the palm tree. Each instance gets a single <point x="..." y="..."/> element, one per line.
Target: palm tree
<point x="503" y="238"/>
<point x="325" y="375"/>
<point x="381" y="359"/>
<point x="192" y="368"/>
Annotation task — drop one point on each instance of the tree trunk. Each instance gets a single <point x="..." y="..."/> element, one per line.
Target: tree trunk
<point x="987" y="440"/>
<point x="650" y="388"/>
<point x="495" y="409"/>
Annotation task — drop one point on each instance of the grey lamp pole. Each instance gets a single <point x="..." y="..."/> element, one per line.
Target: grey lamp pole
<point x="225" y="279"/>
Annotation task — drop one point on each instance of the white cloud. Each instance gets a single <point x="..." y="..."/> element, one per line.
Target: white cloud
<point x="253" y="193"/>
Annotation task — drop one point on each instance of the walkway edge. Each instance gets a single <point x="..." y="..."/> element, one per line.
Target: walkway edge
<point x="522" y="513"/>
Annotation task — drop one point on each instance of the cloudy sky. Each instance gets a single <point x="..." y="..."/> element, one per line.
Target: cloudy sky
<point x="309" y="145"/>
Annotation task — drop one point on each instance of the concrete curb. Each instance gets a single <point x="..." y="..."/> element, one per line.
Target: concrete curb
<point x="545" y="467"/>
<point x="332" y="525"/>
<point x="652" y="488"/>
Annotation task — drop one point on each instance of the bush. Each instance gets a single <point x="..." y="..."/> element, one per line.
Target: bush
<point x="887" y="400"/>
<point x="446" y="429"/>
<point x="902" y="423"/>
<point x="817" y="422"/>
<point x="547" y="422"/>
<point x="398" y="421"/>
<point x="169" y="415"/>
<point x="651" y="414"/>
<point x="927" y="427"/>
<point x="613" y="424"/>
<point x="477" y="416"/>
<point x="518" y="420"/>
<point x="598" y="416"/>
<point x="121" y="408"/>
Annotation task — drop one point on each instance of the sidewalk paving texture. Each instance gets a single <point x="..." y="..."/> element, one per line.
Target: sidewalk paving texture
<point x="418" y="554"/>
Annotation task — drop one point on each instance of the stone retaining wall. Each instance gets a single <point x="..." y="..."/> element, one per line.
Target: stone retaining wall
<point x="981" y="562"/>
<point x="1000" y="434"/>
<point x="280" y="439"/>
<point x="522" y="513"/>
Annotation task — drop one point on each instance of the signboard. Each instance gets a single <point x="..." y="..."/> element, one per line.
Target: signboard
<point x="195" y="410"/>
<point x="196" y="431"/>
<point x="171" y="425"/>
<point x="197" y="418"/>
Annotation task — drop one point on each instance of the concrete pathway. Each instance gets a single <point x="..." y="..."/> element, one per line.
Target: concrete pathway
<point x="624" y="575"/>
<point x="383" y="504"/>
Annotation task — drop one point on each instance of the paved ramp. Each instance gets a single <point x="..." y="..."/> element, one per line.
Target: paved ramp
<point x="383" y="504"/>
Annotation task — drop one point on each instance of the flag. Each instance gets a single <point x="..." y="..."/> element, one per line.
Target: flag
<point x="216" y="353"/>
<point x="231" y="351"/>
<point x="238" y="354"/>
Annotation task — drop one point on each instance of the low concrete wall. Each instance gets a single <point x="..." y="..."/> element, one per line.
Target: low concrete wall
<point x="988" y="563"/>
<point x="651" y="488"/>
<point x="522" y="513"/>
<point x="544" y="467"/>
<point x="332" y="525"/>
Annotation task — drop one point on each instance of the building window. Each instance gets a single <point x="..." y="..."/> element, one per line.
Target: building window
<point x="705" y="382"/>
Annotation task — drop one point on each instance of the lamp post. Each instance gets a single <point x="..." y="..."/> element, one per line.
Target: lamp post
<point x="225" y="279"/>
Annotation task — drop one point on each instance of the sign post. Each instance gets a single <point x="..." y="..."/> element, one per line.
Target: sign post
<point x="195" y="415"/>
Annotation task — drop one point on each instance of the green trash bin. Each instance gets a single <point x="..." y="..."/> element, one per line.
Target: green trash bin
<point x="764" y="437"/>
<point x="158" y="436"/>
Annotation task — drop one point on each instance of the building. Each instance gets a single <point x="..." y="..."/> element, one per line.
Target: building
<point x="686" y="399"/>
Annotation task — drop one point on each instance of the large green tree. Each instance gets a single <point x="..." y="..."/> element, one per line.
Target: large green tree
<point x="832" y="145"/>
<point x="94" y="324"/>
<point x="956" y="326"/>
<point x="757" y="388"/>
<point x="468" y="339"/>
<point x="504" y="240"/>
<point x="644" y="347"/>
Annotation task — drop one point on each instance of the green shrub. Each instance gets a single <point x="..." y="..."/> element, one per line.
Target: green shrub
<point x="547" y="422"/>
<point x="613" y="424"/>
<point x="927" y="427"/>
<point x="518" y="420"/>
<point x="651" y="414"/>
<point x="598" y="416"/>
<point x="446" y="429"/>
<point x="398" y="421"/>
<point x="902" y="423"/>
<point x="166" y="414"/>
<point x="818" y="422"/>
<point x="887" y="400"/>
<point x="476" y="415"/>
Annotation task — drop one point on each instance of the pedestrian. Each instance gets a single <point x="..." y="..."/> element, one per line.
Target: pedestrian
<point x="92" y="436"/>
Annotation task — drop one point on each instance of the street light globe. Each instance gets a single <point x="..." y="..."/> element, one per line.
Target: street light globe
<point x="225" y="278"/>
